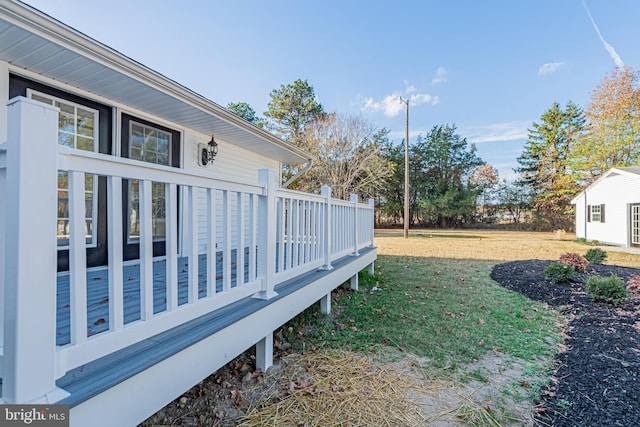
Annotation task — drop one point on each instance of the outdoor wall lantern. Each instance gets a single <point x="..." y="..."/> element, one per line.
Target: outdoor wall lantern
<point x="209" y="152"/>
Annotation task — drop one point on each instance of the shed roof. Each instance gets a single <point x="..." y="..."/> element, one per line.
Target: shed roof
<point x="34" y="41"/>
<point x="629" y="171"/>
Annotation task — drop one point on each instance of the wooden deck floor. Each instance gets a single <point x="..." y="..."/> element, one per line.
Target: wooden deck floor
<point x="90" y="380"/>
<point x="98" y="292"/>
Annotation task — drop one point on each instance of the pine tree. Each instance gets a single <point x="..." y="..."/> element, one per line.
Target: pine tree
<point x="544" y="164"/>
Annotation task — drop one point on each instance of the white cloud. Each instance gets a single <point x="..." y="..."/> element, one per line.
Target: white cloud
<point x="612" y="52"/>
<point x="409" y="88"/>
<point x="441" y="76"/>
<point x="497" y="132"/>
<point x="391" y="106"/>
<point x="549" y="68"/>
<point x="423" y="98"/>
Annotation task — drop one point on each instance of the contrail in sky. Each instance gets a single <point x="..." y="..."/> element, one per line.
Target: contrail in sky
<point x="612" y="52"/>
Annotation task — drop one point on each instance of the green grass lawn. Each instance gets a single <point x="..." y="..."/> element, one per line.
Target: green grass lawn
<point x="447" y="311"/>
<point x="432" y="300"/>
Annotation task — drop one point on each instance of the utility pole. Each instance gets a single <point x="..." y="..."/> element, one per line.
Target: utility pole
<point x="406" y="170"/>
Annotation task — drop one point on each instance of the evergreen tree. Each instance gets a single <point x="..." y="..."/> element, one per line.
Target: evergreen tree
<point x="244" y="110"/>
<point x="291" y="108"/>
<point x="449" y="196"/>
<point x="544" y="164"/>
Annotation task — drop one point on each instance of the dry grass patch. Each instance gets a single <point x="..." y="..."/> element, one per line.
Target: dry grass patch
<point x="490" y="245"/>
<point x="331" y="388"/>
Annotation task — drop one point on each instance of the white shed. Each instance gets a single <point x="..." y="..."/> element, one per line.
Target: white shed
<point x="608" y="210"/>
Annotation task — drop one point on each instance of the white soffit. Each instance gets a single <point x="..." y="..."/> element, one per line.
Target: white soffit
<point x="33" y="41"/>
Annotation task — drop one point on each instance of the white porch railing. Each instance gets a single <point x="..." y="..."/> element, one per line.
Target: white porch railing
<point x="275" y="234"/>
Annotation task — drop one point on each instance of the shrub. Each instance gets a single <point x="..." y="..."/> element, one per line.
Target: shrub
<point x="577" y="261"/>
<point x="596" y="256"/>
<point x="606" y="289"/>
<point x="558" y="272"/>
<point x="633" y="283"/>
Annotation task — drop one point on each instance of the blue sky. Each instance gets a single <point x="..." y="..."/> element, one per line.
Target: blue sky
<point x="490" y="67"/>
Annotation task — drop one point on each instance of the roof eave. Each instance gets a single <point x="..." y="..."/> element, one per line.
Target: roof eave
<point x="48" y="27"/>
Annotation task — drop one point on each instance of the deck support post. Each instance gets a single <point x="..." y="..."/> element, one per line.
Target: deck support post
<point x="325" y="304"/>
<point x="31" y="245"/>
<point x="353" y="198"/>
<point x="264" y="353"/>
<point x="371" y="269"/>
<point x="267" y="218"/>
<point x="354" y="282"/>
<point x="325" y="191"/>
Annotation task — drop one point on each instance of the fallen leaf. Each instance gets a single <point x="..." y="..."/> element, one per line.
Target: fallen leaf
<point x="481" y="342"/>
<point x="481" y="321"/>
<point x="237" y="396"/>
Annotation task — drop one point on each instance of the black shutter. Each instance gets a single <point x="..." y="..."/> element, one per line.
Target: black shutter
<point x="588" y="213"/>
<point x="601" y="213"/>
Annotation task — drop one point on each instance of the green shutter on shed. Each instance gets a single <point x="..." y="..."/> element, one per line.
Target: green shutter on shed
<point x="601" y="213"/>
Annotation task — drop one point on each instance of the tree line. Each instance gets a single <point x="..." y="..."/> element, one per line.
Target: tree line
<point x="450" y="185"/>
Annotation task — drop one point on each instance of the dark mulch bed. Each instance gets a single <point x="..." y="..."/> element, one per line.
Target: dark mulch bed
<point x="597" y="382"/>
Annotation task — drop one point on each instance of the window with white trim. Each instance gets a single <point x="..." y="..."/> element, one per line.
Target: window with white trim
<point x="153" y="145"/>
<point x="77" y="128"/>
<point x="596" y="213"/>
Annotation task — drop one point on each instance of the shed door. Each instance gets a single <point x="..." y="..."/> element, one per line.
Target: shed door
<point x="148" y="142"/>
<point x="635" y="224"/>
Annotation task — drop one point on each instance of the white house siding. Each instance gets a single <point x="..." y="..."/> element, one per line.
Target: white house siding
<point x="232" y="161"/>
<point x="581" y="218"/>
<point x="616" y="192"/>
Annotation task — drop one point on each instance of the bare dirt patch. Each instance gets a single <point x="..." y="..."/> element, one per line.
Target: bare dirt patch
<point x="494" y="397"/>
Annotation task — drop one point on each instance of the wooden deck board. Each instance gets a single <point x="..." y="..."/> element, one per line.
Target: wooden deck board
<point x="98" y="297"/>
<point x="89" y="380"/>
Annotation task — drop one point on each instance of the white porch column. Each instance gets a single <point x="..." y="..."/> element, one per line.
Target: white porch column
<point x="264" y="353"/>
<point x="267" y="220"/>
<point x="353" y="198"/>
<point x="325" y="191"/>
<point x="31" y="248"/>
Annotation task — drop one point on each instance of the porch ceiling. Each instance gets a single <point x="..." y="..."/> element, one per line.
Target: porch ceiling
<point x="31" y="40"/>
